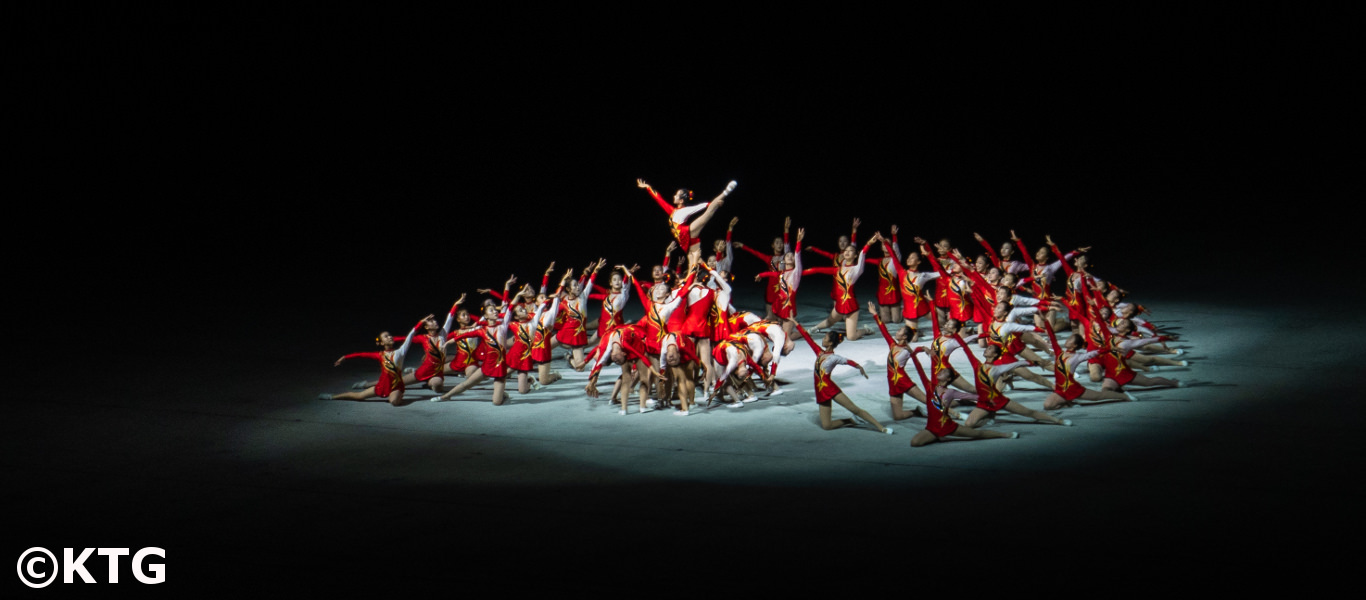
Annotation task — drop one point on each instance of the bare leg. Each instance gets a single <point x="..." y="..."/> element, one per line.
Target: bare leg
<point x="899" y="411"/>
<point x="848" y="404"/>
<point x="471" y="379"/>
<point x="979" y="434"/>
<point x="827" y="423"/>
<point x="1095" y="371"/>
<point x="1146" y="360"/>
<point x="396" y="399"/>
<point x="963" y="384"/>
<point x="851" y="329"/>
<point x="499" y="396"/>
<point x="704" y="352"/>
<point x="365" y="395"/>
<point x="1145" y="381"/>
<point x="544" y="376"/>
<point x="977" y="415"/>
<point x="1037" y="415"/>
<point x="437" y="384"/>
<point x="523" y="382"/>
<point x="829" y="320"/>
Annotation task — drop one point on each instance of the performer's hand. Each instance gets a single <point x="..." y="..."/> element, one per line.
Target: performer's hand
<point x="634" y="268"/>
<point x="640" y="183"/>
<point x="894" y="229"/>
<point x="801" y="233"/>
<point x="733" y="221"/>
<point x="920" y="240"/>
<point x="482" y="290"/>
<point x="1012" y="236"/>
<point x="736" y="245"/>
<point x="857" y="222"/>
<point x="461" y="300"/>
<point x="1048" y="238"/>
<point x="977" y="236"/>
<point x="758" y="277"/>
<point x="865" y="373"/>
<point x="1084" y="249"/>
<point x="787" y="224"/>
<point x="339" y="362"/>
<point x="550" y="269"/>
<point x="672" y="246"/>
<point x="591" y="389"/>
<point x="872" y="308"/>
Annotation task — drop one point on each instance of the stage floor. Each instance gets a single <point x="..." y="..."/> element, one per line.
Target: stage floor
<point x="244" y="472"/>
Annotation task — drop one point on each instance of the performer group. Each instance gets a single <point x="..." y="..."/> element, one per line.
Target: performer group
<point x="1022" y="316"/>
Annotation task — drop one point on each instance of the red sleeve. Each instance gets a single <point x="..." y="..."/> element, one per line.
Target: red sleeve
<point x="820" y="271"/>
<point x="828" y="255"/>
<point x="968" y="351"/>
<point x="991" y="253"/>
<point x="1029" y="258"/>
<point x="668" y="208"/>
<point x="924" y="381"/>
<point x="806" y="336"/>
<point x="374" y="355"/>
<point x="1065" y="266"/>
<point x="925" y="249"/>
<point x="1057" y="350"/>
<point x="900" y="270"/>
<point x="885" y="335"/>
<point x="760" y="255"/>
<point x="640" y="293"/>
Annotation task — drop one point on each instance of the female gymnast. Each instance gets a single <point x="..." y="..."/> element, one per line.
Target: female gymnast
<point x="688" y="234"/>
<point x="826" y="390"/>
<point x="940" y="423"/>
<point x="990" y="400"/>
<point x="389" y="388"/>
<point x="1066" y="389"/>
<point x="493" y="339"/>
<point x="846" y="306"/>
<point x="898" y="382"/>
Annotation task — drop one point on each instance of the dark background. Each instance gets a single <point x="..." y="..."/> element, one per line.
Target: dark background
<point x="284" y="189"/>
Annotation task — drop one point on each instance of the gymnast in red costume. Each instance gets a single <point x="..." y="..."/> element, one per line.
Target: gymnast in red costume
<point x="940" y="423"/>
<point x="678" y="360"/>
<point x="688" y="234"/>
<point x="1115" y="351"/>
<point x="826" y="390"/>
<point x="899" y="383"/>
<point x="543" y="336"/>
<point x="494" y="343"/>
<point x="990" y="400"/>
<point x="914" y="297"/>
<point x="625" y="345"/>
<point x="941" y="348"/>
<point x="736" y="355"/>
<point x="784" y="305"/>
<point x="1066" y="390"/>
<point x="572" y="331"/>
<point x="433" y="369"/>
<point x="953" y="286"/>
<point x="614" y="298"/>
<point x="776" y="263"/>
<point x="889" y="283"/>
<point x="390" y="386"/>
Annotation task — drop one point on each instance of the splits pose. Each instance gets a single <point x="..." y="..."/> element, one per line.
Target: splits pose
<point x="826" y="390"/>
<point x="389" y="388"/>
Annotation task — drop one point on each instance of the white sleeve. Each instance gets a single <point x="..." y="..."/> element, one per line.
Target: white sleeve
<point x="857" y="271"/>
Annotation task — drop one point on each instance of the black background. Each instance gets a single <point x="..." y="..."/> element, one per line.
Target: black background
<point x="253" y="179"/>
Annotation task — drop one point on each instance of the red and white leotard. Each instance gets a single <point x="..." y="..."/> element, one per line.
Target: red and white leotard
<point x="826" y="389"/>
<point x="898" y="382"/>
<point x="390" y="366"/>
